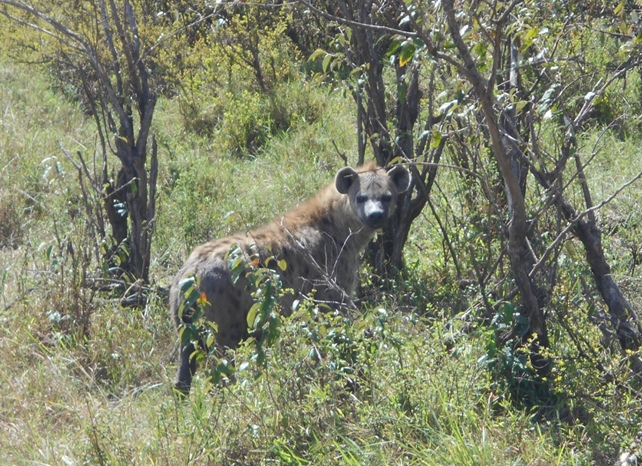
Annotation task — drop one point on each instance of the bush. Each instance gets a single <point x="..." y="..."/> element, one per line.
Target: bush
<point x="242" y="81"/>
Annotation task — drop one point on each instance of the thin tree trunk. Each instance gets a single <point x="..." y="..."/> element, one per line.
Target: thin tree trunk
<point x="519" y="254"/>
<point x="622" y="315"/>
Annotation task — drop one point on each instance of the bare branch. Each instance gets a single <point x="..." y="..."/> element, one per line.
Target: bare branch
<point x="578" y="217"/>
<point x="509" y="9"/>
<point x="348" y="22"/>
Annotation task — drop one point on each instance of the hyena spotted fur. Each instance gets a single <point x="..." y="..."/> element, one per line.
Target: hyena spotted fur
<point x="320" y="241"/>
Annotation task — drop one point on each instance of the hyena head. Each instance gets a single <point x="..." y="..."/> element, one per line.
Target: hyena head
<point x="372" y="192"/>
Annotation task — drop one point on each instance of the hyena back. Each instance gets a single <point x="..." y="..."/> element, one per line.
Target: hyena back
<point x="320" y="241"/>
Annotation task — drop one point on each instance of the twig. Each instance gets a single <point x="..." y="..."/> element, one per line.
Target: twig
<point x="341" y="154"/>
<point x="578" y="217"/>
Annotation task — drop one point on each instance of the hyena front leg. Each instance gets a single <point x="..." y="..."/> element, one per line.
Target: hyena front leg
<point x="186" y="369"/>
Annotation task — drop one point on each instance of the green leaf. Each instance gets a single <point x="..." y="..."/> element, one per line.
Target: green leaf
<point x="188" y="333"/>
<point x="316" y="54"/>
<point x="480" y="49"/>
<point x="187" y="284"/>
<point x="520" y="105"/>
<point x="189" y="292"/>
<point x="326" y="62"/>
<point x="419" y="44"/>
<point x="283" y="265"/>
<point x="407" y="52"/>
<point x="619" y="9"/>
<point x="532" y="32"/>
<point x="251" y="316"/>
<point x="435" y="139"/>
<point x="394" y="46"/>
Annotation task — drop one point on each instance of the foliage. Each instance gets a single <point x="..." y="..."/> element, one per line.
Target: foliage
<point x="229" y="81"/>
<point x="263" y="320"/>
<point x="11" y="232"/>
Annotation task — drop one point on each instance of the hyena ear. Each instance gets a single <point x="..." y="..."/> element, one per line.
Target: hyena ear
<point x="400" y="177"/>
<point x="344" y="179"/>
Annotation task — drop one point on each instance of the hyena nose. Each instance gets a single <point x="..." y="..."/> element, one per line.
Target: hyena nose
<point x="375" y="215"/>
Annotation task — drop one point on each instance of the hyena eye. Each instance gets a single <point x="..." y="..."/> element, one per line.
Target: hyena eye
<point x="386" y="198"/>
<point x="361" y="198"/>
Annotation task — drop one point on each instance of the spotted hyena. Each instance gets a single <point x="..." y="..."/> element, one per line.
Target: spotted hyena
<point x="320" y="242"/>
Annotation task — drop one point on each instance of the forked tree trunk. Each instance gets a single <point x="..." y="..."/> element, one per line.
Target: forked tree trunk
<point x="623" y="318"/>
<point x="520" y="256"/>
<point x="385" y="253"/>
<point x="136" y="183"/>
<point x="585" y="228"/>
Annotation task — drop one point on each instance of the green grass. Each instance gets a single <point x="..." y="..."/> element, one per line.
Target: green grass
<point x="98" y="391"/>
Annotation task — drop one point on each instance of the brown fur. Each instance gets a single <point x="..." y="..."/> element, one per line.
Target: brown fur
<point x="320" y="240"/>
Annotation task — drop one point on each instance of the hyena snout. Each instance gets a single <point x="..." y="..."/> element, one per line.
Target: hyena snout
<point x="376" y="214"/>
